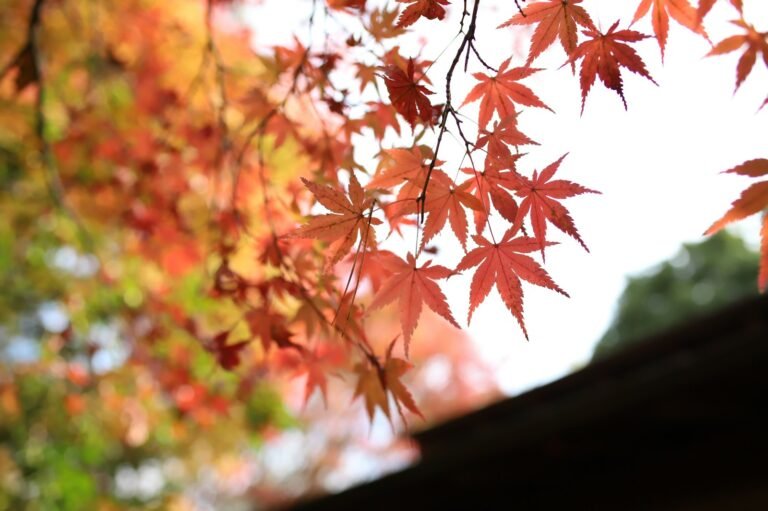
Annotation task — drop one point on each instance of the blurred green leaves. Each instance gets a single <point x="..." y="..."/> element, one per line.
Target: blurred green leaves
<point x="701" y="277"/>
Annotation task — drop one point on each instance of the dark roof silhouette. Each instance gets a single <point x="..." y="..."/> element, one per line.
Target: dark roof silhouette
<point x="677" y="422"/>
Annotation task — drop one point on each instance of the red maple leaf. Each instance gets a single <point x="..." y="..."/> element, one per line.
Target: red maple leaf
<point x="227" y="355"/>
<point x="430" y="9"/>
<point x="757" y="43"/>
<point x="445" y="202"/>
<point x="680" y="10"/>
<point x="753" y="200"/>
<point x="554" y="18"/>
<point x="541" y="199"/>
<point x="349" y="219"/>
<point x="407" y="96"/>
<point x="604" y="55"/>
<point x="504" y="134"/>
<point x="492" y="186"/>
<point x="706" y="5"/>
<point x="500" y="93"/>
<point x="412" y="286"/>
<point x="504" y="264"/>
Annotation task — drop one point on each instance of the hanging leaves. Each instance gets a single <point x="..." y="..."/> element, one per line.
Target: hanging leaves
<point x="553" y="19"/>
<point x="680" y="10"/>
<point x="500" y="93"/>
<point x="350" y="218"/>
<point x="752" y="200"/>
<point x="375" y="382"/>
<point x="430" y="9"/>
<point x="756" y="42"/>
<point x="196" y="159"/>
<point x="413" y="286"/>
<point x="541" y="200"/>
<point x="503" y="265"/>
<point x="604" y="55"/>
<point x="407" y="96"/>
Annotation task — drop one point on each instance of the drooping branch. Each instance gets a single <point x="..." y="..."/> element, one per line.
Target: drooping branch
<point x="448" y="109"/>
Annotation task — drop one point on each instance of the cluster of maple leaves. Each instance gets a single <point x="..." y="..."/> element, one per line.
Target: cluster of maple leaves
<point x="423" y="190"/>
<point x="307" y="298"/>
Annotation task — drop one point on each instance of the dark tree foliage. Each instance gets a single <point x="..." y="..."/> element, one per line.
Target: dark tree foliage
<point x="701" y="277"/>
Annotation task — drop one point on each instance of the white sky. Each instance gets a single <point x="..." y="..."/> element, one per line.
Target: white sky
<point x="657" y="166"/>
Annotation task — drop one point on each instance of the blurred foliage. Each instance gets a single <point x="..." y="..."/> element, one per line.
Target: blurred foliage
<point x="701" y="277"/>
<point x="151" y="351"/>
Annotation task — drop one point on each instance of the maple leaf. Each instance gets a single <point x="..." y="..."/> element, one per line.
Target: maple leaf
<point x="504" y="134"/>
<point x="404" y="167"/>
<point x="379" y="117"/>
<point x="554" y="18"/>
<point x="412" y="286"/>
<point x="604" y="55"/>
<point x="349" y="218"/>
<point x="398" y="166"/>
<point x="504" y="264"/>
<point x="227" y="355"/>
<point x="430" y="9"/>
<point x="445" y="203"/>
<point x="370" y="388"/>
<point x="541" y="199"/>
<point x="757" y="42"/>
<point x="680" y="10"/>
<point x="315" y="380"/>
<point x="382" y="24"/>
<point x="491" y="187"/>
<point x="706" y="5"/>
<point x="375" y="381"/>
<point x="407" y="96"/>
<point x="269" y="328"/>
<point x="752" y="200"/>
<point x="500" y="93"/>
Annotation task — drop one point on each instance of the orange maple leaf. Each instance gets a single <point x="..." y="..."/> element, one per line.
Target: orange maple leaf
<point x="680" y="10"/>
<point x="504" y="134"/>
<point x="500" y="93"/>
<point x="445" y="202"/>
<point x="752" y="200"/>
<point x="412" y="286"/>
<point x="504" y="264"/>
<point x="604" y="55"/>
<point x="382" y="24"/>
<point x="757" y="42"/>
<point x="554" y="18"/>
<point x="315" y="380"/>
<point x="407" y="96"/>
<point x="541" y="198"/>
<point x="706" y="5"/>
<point x="350" y="218"/>
<point x="397" y="167"/>
<point x="430" y="9"/>
<point x="375" y="381"/>
<point x="491" y="186"/>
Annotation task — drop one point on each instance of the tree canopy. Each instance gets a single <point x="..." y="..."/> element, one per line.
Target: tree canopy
<point x="701" y="277"/>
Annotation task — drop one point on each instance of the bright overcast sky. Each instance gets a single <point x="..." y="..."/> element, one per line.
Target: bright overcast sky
<point x="657" y="165"/>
